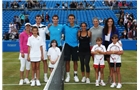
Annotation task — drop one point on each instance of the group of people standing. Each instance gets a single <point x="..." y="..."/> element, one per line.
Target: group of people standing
<point x="79" y="43"/>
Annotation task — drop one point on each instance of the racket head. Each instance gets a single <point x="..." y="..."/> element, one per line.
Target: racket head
<point x="114" y="56"/>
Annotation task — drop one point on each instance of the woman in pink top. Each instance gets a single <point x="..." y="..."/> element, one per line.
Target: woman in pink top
<point x="23" y="54"/>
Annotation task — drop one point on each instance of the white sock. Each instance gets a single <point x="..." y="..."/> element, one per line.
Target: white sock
<point x="35" y="75"/>
<point x="75" y="72"/>
<point x="102" y="81"/>
<point x="96" y="81"/>
<point x="45" y="74"/>
<point x="68" y="74"/>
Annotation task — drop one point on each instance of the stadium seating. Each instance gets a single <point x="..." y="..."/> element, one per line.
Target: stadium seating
<point x="81" y="15"/>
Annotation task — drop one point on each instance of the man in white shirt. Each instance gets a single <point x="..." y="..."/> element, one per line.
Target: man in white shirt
<point x="43" y="30"/>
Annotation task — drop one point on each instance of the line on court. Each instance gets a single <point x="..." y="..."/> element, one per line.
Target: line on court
<point x="64" y="83"/>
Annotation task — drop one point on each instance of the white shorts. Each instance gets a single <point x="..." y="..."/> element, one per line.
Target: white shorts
<point x="98" y="61"/>
<point x="24" y="62"/>
<point x="52" y="65"/>
<point x="45" y="53"/>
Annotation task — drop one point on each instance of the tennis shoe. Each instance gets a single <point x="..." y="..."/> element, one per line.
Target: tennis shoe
<point x="97" y="84"/>
<point x="76" y="79"/>
<point x="87" y="80"/>
<point x="102" y="83"/>
<point x="45" y="79"/>
<point x="33" y="83"/>
<point x="67" y="79"/>
<point x="119" y="85"/>
<point x="21" y="82"/>
<point x="38" y="83"/>
<point x="113" y="85"/>
<point x="26" y="80"/>
<point x="83" y="79"/>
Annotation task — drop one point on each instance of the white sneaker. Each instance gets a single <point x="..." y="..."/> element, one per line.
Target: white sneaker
<point x="87" y="80"/>
<point x="33" y="83"/>
<point x="76" y="79"/>
<point x="26" y="80"/>
<point x="21" y="82"/>
<point x="119" y="85"/>
<point x="45" y="79"/>
<point x="67" y="79"/>
<point x="113" y="85"/>
<point x="83" y="79"/>
<point x="97" y="84"/>
<point x="102" y="84"/>
<point x="38" y="83"/>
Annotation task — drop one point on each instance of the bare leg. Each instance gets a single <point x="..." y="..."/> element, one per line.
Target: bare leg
<point x="119" y="74"/>
<point x="45" y="66"/>
<point x="21" y="74"/>
<point x="67" y="66"/>
<point x="38" y="70"/>
<point x="75" y="65"/>
<point x="33" y="69"/>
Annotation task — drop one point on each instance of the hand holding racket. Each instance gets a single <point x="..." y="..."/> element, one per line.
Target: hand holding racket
<point x="115" y="49"/>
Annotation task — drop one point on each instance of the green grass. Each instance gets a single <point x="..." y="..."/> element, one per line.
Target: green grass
<point x="11" y="67"/>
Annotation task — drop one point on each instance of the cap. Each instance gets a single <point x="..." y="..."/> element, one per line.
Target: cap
<point x="27" y="24"/>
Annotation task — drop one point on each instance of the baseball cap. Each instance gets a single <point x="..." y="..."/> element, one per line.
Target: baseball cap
<point x="27" y="24"/>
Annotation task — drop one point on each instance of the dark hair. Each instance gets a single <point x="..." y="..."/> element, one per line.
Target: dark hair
<point x="35" y="27"/>
<point x="53" y="42"/>
<point x="105" y="29"/>
<point x="115" y="36"/>
<point x="98" y="39"/>
<point x="83" y="23"/>
<point x="71" y="15"/>
<point x="55" y="16"/>
<point x="38" y="16"/>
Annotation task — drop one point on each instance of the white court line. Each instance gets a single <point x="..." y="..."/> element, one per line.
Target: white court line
<point x="64" y="83"/>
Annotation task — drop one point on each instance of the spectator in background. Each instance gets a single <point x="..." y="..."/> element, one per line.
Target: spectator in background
<point x="14" y="5"/>
<point x="44" y="6"/>
<point x="11" y="27"/>
<point x="124" y="35"/>
<point x="28" y="5"/>
<point x="7" y="4"/>
<point x="47" y="17"/>
<point x="101" y="21"/>
<point x="104" y="20"/>
<point x="18" y="22"/>
<point x="134" y="33"/>
<point x="42" y="16"/>
<point x="27" y="19"/>
<point x="13" y="34"/>
<point x="66" y="5"/>
<point x="22" y="18"/>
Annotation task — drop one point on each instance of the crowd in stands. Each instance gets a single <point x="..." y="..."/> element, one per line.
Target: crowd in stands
<point x="127" y="20"/>
<point x="29" y="4"/>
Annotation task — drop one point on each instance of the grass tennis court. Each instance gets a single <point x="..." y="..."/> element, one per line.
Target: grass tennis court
<point x="11" y="73"/>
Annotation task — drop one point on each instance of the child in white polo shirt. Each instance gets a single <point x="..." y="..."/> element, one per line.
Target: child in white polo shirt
<point x="35" y="54"/>
<point x="53" y="54"/>
<point x="99" y="50"/>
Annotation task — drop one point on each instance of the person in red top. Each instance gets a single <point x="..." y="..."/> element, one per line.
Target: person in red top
<point x="23" y="54"/>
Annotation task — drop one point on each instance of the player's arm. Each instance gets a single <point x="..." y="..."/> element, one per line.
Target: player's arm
<point x="59" y="53"/>
<point x="21" y="45"/>
<point x="120" y="52"/>
<point x="93" y="51"/>
<point x="28" y="56"/>
<point x="89" y="34"/>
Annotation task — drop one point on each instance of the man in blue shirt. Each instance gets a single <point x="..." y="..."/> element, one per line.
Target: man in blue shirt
<point x="55" y="31"/>
<point x="71" y="46"/>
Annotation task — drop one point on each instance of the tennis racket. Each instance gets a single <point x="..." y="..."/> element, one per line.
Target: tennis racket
<point x="100" y="56"/>
<point x="114" y="57"/>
